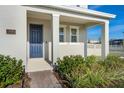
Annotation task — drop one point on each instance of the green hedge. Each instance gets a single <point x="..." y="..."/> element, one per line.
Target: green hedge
<point x="91" y="71"/>
<point x="10" y="70"/>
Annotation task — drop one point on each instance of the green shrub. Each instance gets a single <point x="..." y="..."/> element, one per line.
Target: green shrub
<point x="113" y="62"/>
<point x="92" y="72"/>
<point x="66" y="65"/>
<point x="10" y="70"/>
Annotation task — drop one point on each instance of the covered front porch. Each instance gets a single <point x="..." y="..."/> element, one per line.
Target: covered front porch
<point x="52" y="35"/>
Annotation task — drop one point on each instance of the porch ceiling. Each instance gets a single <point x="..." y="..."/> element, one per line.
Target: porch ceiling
<point x="66" y="19"/>
<point x="38" y="15"/>
<point x="75" y="20"/>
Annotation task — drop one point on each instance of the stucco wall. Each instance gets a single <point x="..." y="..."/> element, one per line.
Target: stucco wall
<point x="71" y="49"/>
<point x="94" y="49"/>
<point x="78" y="49"/>
<point x="13" y="17"/>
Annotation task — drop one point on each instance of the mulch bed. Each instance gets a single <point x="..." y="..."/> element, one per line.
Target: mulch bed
<point x="24" y="83"/>
<point x="63" y="82"/>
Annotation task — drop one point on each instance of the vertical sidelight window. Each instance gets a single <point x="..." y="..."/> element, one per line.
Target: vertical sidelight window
<point x="62" y="30"/>
<point x="61" y="34"/>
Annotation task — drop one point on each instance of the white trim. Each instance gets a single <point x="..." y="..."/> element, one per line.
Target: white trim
<point x="68" y="43"/>
<point x="65" y="29"/>
<point x="78" y="10"/>
<point x="63" y="26"/>
<point x="51" y="12"/>
<point x="63" y="43"/>
<point x="75" y="27"/>
<point x="84" y="10"/>
<point x="75" y="43"/>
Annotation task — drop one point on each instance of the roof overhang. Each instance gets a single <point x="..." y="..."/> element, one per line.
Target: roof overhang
<point x="84" y="11"/>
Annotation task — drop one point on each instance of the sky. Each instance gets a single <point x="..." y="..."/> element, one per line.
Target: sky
<point x="116" y="25"/>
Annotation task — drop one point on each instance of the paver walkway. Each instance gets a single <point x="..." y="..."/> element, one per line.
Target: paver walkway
<point x="44" y="79"/>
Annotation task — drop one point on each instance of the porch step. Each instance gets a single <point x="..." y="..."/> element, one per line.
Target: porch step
<point x="38" y="66"/>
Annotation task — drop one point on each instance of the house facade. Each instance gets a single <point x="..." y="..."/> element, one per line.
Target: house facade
<point x="44" y="33"/>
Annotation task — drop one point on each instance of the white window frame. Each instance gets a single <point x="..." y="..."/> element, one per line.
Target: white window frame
<point x="64" y="28"/>
<point x="74" y="27"/>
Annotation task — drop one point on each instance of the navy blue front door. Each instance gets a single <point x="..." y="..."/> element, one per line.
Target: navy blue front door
<point x="36" y="41"/>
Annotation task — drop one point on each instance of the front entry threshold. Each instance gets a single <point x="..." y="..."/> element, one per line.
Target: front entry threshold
<point x="41" y="65"/>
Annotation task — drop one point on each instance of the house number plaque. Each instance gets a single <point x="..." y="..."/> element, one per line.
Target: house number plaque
<point x="10" y="31"/>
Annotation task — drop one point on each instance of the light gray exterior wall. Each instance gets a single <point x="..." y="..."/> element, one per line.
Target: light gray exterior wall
<point x="71" y="49"/>
<point x="13" y="17"/>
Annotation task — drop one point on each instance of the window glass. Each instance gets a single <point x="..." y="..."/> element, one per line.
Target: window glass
<point x="61" y="34"/>
<point x="61" y="31"/>
<point x="61" y="38"/>
<point x="73" y="35"/>
<point x="73" y="38"/>
<point x="73" y="31"/>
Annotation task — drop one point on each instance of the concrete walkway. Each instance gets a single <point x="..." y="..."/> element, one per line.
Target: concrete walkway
<point x="44" y="79"/>
<point x="40" y="65"/>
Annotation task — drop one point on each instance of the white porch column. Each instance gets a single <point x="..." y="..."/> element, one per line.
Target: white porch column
<point x="105" y="39"/>
<point x="55" y="37"/>
<point x="85" y="41"/>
